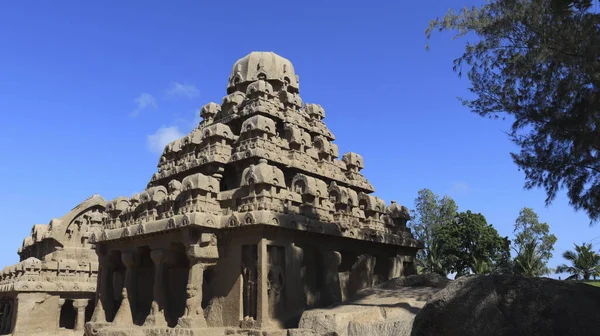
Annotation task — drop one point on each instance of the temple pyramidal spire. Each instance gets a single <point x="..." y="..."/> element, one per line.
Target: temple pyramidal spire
<point x="251" y="219"/>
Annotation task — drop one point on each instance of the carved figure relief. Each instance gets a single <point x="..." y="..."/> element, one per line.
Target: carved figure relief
<point x="275" y="278"/>
<point x="193" y="302"/>
<point x="249" y="265"/>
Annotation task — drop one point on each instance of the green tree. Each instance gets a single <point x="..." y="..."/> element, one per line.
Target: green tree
<point x="430" y="212"/>
<point x="481" y="266"/>
<point x="536" y="62"/>
<point x="469" y="243"/>
<point x="585" y="263"/>
<point x="533" y="244"/>
<point x="529" y="261"/>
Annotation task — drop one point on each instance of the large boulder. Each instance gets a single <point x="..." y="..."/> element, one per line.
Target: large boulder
<point x="385" y="310"/>
<point x="511" y="305"/>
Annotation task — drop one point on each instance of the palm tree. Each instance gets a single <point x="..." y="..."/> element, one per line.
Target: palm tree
<point x="481" y="266"/>
<point x="585" y="262"/>
<point x="432" y="263"/>
<point x="529" y="262"/>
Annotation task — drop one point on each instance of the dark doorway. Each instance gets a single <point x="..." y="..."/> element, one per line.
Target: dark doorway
<point x="67" y="315"/>
<point x="89" y="310"/>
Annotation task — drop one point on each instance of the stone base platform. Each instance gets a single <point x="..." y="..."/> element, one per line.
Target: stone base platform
<point x="93" y="329"/>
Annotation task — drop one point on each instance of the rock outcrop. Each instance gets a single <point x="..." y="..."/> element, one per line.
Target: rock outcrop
<point x="387" y="309"/>
<point x="510" y="305"/>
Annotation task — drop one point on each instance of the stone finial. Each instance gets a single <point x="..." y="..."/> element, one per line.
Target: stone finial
<point x="259" y="65"/>
<point x="99" y="314"/>
<point x="124" y="317"/>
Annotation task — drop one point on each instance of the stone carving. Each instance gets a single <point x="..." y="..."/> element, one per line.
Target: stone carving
<point x="249" y="260"/>
<point x="275" y="278"/>
<point x="193" y="302"/>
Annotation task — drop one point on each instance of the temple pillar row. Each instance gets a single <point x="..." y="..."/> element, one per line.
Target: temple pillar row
<point x="200" y="256"/>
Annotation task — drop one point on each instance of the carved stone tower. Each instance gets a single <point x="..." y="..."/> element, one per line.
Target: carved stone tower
<point x="251" y="219"/>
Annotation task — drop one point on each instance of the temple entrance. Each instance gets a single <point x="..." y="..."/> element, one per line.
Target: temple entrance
<point x="312" y="270"/>
<point x="68" y="315"/>
<point x="381" y="270"/>
<point x="408" y="268"/>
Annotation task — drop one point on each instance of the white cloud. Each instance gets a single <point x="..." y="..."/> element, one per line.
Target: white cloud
<point x="160" y="138"/>
<point x="144" y="101"/>
<point x="460" y="186"/>
<point x="178" y="90"/>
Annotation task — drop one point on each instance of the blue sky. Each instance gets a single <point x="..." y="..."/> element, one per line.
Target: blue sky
<point x="90" y="91"/>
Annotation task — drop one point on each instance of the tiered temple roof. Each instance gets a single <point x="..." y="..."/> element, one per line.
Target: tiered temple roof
<point x="261" y="157"/>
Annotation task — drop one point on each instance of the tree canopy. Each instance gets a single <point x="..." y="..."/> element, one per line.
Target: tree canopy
<point x="469" y="244"/>
<point x="533" y="244"/>
<point x="537" y="62"/>
<point x="430" y="212"/>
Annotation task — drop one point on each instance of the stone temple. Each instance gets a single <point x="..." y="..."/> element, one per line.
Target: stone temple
<point x="251" y="219"/>
<point x="53" y="287"/>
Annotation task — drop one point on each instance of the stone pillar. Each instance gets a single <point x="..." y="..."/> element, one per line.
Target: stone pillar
<point x="201" y="256"/>
<point x="157" y="316"/>
<point x="130" y="261"/>
<point x="80" y="305"/>
<point x="395" y="270"/>
<point x="194" y="315"/>
<point x="61" y="302"/>
<point x="295" y="292"/>
<point x="333" y="291"/>
<point x="262" y="309"/>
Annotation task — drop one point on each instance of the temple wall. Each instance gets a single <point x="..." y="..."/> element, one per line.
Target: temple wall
<point x="36" y="313"/>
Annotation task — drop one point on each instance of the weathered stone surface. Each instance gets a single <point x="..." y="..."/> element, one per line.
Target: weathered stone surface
<point x="421" y="280"/>
<point x="301" y="332"/>
<point x="387" y="309"/>
<point x="36" y="313"/>
<point x="510" y="305"/>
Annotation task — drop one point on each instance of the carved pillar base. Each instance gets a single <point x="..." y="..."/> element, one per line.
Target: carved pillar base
<point x="99" y="314"/>
<point x="123" y="316"/>
<point x="332" y="261"/>
<point x="156" y="317"/>
<point x="192" y="322"/>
